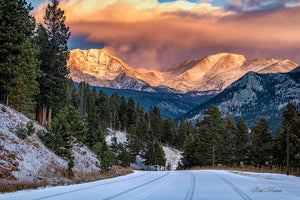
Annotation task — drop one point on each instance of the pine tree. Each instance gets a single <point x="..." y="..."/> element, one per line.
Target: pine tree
<point x="261" y="141"/>
<point x="291" y="124"/>
<point x="114" y="103"/>
<point x="92" y="117"/>
<point x="160" y="159"/>
<point x="56" y="73"/>
<point x="78" y="127"/>
<point x="228" y="141"/>
<point x="149" y="156"/>
<point x="168" y="131"/>
<point x="155" y="123"/>
<point x="103" y="107"/>
<point x="123" y="113"/>
<point x="241" y="142"/>
<point x="184" y="129"/>
<point x="66" y="124"/>
<point x="72" y="95"/>
<point x="100" y="133"/>
<point x="211" y="129"/>
<point x="17" y="26"/>
<point x="124" y="157"/>
<point x="60" y="129"/>
<point x="83" y="91"/>
<point x="25" y="85"/>
<point x="45" y="58"/>
<point x="279" y="147"/>
<point x="131" y="113"/>
<point x="189" y="149"/>
<point x="133" y="143"/>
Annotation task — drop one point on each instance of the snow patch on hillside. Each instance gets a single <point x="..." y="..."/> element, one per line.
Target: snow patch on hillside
<point x="121" y="137"/>
<point x="29" y="160"/>
<point x="172" y="155"/>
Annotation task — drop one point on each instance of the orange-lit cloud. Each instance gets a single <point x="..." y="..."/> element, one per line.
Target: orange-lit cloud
<point x="149" y="34"/>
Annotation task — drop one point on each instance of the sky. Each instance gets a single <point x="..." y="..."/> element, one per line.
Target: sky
<point x="158" y="34"/>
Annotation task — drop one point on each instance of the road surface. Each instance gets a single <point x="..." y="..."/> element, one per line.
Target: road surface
<point x="185" y="185"/>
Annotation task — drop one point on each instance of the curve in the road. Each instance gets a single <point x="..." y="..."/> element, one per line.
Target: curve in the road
<point x="234" y="187"/>
<point x="86" y="188"/>
<point x="190" y="193"/>
<point x="134" y="188"/>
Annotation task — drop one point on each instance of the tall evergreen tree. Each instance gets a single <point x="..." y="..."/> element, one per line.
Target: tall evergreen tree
<point x="45" y="58"/>
<point x="103" y="106"/>
<point x="133" y="143"/>
<point x="155" y="123"/>
<point x="114" y="103"/>
<point x="229" y="141"/>
<point x="131" y="113"/>
<point x="17" y="26"/>
<point x="56" y="71"/>
<point x="241" y="142"/>
<point x="211" y="129"/>
<point x="279" y="147"/>
<point x="123" y="113"/>
<point x="92" y="117"/>
<point x="260" y="138"/>
<point x="22" y="95"/>
<point x="189" y="149"/>
<point x="291" y="124"/>
<point x="160" y="159"/>
<point x="168" y="131"/>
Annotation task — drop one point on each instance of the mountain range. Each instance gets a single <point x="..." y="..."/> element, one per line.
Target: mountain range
<point x="246" y="88"/>
<point x="212" y="73"/>
<point x="254" y="96"/>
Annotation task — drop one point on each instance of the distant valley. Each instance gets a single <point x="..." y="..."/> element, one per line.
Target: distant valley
<point x="172" y="105"/>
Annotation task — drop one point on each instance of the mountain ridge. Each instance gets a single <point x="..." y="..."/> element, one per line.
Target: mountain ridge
<point x="254" y="96"/>
<point x="215" y="72"/>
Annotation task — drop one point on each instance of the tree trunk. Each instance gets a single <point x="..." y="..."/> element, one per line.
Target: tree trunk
<point x="288" y="151"/>
<point x="49" y="116"/>
<point x="44" y="112"/>
<point x="38" y="114"/>
<point x="6" y="103"/>
<point x="213" y="156"/>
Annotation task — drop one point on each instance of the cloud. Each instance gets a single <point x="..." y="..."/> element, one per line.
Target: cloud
<point x="156" y="35"/>
<point x="260" y="5"/>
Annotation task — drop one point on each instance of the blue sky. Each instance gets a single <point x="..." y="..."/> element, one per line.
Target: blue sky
<point x="35" y="3"/>
<point x="214" y="2"/>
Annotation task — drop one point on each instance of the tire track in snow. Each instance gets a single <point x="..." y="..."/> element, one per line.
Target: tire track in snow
<point x="150" y="190"/>
<point x="86" y="188"/>
<point x="234" y="187"/>
<point x="134" y="188"/>
<point x="190" y="193"/>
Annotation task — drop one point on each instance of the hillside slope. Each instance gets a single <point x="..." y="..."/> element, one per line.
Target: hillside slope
<point x="29" y="161"/>
<point x="254" y="96"/>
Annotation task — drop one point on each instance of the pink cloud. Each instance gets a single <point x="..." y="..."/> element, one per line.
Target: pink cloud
<point x="153" y="35"/>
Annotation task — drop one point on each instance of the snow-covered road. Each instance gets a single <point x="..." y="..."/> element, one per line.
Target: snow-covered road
<point x="202" y="184"/>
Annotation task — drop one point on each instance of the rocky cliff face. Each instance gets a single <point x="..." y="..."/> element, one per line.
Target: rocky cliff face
<point x="254" y="96"/>
<point x="212" y="73"/>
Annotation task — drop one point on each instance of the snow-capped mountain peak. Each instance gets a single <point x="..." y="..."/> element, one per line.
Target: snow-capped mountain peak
<point x="212" y="73"/>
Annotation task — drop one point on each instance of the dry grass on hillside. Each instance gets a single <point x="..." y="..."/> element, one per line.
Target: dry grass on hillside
<point x="294" y="172"/>
<point x="43" y="181"/>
